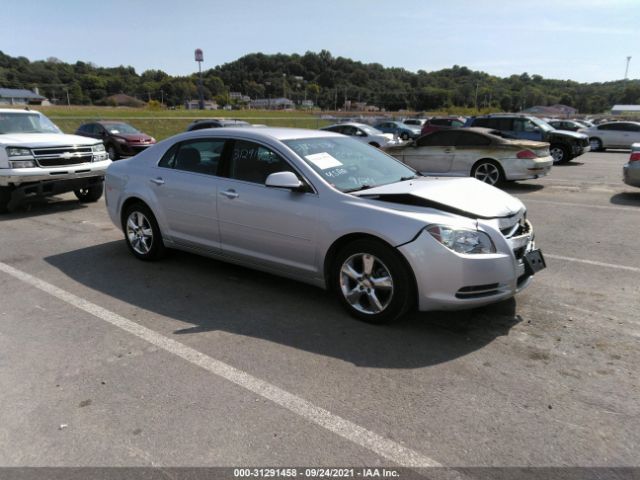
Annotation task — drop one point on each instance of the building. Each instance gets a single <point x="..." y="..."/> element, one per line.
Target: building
<point x="19" y="96"/>
<point x="195" y="105"/>
<point x="625" y="110"/>
<point x="272" y="103"/>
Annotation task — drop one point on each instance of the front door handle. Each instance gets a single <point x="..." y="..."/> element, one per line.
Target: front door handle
<point x="157" y="181"/>
<point x="231" y="194"/>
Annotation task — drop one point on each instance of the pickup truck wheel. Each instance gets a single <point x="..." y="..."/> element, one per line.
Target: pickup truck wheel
<point x="111" y="151"/>
<point x="560" y="154"/>
<point x="142" y="233"/>
<point x="5" y="198"/>
<point x="89" y="194"/>
<point x="372" y="281"/>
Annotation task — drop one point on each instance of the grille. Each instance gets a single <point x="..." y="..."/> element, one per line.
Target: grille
<point x="61" y="156"/>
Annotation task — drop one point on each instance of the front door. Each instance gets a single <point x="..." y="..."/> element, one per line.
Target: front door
<point x="271" y="227"/>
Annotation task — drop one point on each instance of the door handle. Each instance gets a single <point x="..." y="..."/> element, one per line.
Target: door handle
<point x="230" y="194"/>
<point x="157" y="181"/>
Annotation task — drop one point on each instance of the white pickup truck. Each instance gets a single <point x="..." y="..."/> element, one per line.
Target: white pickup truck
<point x="37" y="159"/>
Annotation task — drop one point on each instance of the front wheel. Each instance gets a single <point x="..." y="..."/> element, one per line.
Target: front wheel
<point x="89" y="194"/>
<point x="372" y="281"/>
<point x="595" y="144"/>
<point x="488" y="171"/>
<point x="404" y="136"/>
<point x="560" y="154"/>
<point x="113" y="154"/>
<point x="142" y="234"/>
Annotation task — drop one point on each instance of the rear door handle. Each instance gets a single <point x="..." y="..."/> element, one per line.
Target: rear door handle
<point x="231" y="194"/>
<point x="157" y="181"/>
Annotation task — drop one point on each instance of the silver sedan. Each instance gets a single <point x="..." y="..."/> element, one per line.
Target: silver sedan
<point x="328" y="210"/>
<point x="631" y="170"/>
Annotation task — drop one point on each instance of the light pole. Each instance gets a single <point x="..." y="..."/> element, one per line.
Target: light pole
<point x="200" y="58"/>
<point x="626" y="70"/>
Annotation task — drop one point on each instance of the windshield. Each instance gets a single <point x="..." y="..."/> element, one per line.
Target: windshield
<point x="116" y="128"/>
<point x="542" y="124"/>
<point x="349" y="165"/>
<point x="370" y="130"/>
<point x="26" y="123"/>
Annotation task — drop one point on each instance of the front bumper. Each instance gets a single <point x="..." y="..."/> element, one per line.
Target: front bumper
<point x="577" y="150"/>
<point x="19" y="176"/>
<point x="450" y="281"/>
<point x="631" y="174"/>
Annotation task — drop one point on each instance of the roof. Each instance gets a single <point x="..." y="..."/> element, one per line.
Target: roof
<point x="19" y="93"/>
<point x="274" y="133"/>
<point x="628" y="108"/>
<point x="18" y="110"/>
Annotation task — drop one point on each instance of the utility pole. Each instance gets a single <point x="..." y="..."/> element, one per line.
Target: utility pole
<point x="476" y="101"/>
<point x="200" y="58"/>
<point x="626" y="70"/>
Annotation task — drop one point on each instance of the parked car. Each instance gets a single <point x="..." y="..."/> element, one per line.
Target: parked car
<point x="631" y="170"/>
<point x="405" y="132"/>
<point x="564" y="146"/>
<point x="568" y="125"/>
<point x="585" y="123"/>
<point x="415" y="122"/>
<point x="325" y="209"/>
<point x="38" y="160"/>
<point x="119" y="138"/>
<point x="613" y="135"/>
<point x="363" y="132"/>
<point x="216" y="123"/>
<point x="476" y="152"/>
<point x="441" y="123"/>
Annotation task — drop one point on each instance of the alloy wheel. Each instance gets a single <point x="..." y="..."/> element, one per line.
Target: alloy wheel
<point x="139" y="233"/>
<point x="487" y="173"/>
<point x="366" y="283"/>
<point x="558" y="154"/>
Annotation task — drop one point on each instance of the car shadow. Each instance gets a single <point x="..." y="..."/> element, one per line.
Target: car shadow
<point x="42" y="206"/>
<point x="211" y="295"/>
<point x="631" y="199"/>
<point x="570" y="163"/>
<point x="522" y="188"/>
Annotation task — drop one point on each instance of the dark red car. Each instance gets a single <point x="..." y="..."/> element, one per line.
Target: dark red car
<point x="119" y="138"/>
<point x="442" y="123"/>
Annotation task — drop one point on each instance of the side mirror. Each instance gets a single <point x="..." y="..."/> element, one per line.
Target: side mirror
<point x="287" y="180"/>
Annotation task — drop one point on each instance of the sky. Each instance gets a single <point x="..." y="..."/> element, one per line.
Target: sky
<point x="582" y="40"/>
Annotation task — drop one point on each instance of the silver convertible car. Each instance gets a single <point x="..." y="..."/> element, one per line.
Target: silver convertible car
<point x="328" y="210"/>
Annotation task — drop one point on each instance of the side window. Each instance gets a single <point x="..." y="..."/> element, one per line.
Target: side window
<point x="630" y="127"/>
<point x="443" y="138"/>
<point x="467" y="139"/>
<point x="197" y="156"/>
<point x="483" y="122"/>
<point x="349" y="130"/>
<point x="254" y="163"/>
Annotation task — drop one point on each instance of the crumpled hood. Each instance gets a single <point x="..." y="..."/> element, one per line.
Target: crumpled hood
<point x="464" y="196"/>
<point x="36" y="140"/>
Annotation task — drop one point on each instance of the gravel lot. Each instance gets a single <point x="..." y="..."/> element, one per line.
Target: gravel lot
<point x="548" y="379"/>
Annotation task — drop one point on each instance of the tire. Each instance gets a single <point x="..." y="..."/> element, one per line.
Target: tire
<point x="596" y="144"/>
<point x="404" y="136"/>
<point x="112" y="152"/>
<point x="90" y="194"/>
<point x="374" y="144"/>
<point x="5" y="198"/>
<point x="488" y="171"/>
<point x="361" y="263"/>
<point x="141" y="233"/>
<point x="560" y="153"/>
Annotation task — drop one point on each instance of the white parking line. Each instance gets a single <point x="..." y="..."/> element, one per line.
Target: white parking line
<point x="346" y="429"/>
<point x="592" y="262"/>
<point x="584" y="205"/>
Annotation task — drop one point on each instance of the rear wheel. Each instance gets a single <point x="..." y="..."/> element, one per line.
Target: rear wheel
<point x="560" y="154"/>
<point x="89" y="194"/>
<point x="5" y="198"/>
<point x="372" y="281"/>
<point x="142" y="234"/>
<point x="488" y="171"/>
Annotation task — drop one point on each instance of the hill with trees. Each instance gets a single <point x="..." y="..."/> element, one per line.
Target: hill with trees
<point x="326" y="80"/>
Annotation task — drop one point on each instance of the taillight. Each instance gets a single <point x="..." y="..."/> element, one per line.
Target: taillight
<point x="635" y="157"/>
<point x="524" y="154"/>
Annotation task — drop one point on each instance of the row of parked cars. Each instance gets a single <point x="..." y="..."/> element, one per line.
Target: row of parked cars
<point x="314" y="206"/>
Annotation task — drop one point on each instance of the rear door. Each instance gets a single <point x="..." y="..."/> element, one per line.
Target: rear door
<point x="630" y="134"/>
<point x="433" y="153"/>
<point x="470" y="147"/>
<point x="264" y="226"/>
<point x="186" y="184"/>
